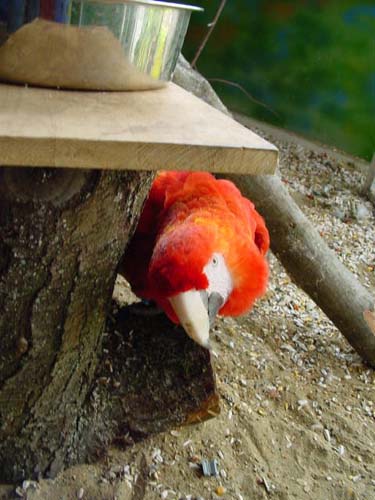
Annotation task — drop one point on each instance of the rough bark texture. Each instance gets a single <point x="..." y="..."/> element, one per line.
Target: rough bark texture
<point x="152" y="377"/>
<point x="69" y="386"/>
<point x="299" y="247"/>
<point x="62" y="233"/>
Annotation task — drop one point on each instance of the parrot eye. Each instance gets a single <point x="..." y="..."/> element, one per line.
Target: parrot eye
<point x="219" y="278"/>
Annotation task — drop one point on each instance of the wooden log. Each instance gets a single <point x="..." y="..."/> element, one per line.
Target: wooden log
<point x="299" y="247"/>
<point x="62" y="234"/>
<point x="310" y="263"/>
<point x="63" y="397"/>
<point x="160" y="377"/>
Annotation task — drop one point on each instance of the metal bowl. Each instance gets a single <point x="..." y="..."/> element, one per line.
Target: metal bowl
<point x="151" y="33"/>
<point x="94" y="44"/>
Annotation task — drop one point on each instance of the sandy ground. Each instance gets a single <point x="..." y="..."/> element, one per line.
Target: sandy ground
<point x="297" y="405"/>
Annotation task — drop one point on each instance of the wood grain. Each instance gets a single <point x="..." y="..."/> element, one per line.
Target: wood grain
<point x="167" y="128"/>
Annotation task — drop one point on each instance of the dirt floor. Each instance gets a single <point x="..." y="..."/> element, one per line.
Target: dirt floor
<point x="297" y="405"/>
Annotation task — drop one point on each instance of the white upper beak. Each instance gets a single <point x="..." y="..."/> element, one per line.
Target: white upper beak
<point x="193" y="315"/>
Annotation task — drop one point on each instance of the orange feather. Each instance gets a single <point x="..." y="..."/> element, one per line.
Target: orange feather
<point x="187" y="217"/>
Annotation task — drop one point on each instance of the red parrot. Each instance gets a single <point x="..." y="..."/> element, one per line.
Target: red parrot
<point x="199" y="249"/>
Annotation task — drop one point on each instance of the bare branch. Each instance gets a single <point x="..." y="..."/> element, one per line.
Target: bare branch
<point x="240" y="87"/>
<point x="211" y="27"/>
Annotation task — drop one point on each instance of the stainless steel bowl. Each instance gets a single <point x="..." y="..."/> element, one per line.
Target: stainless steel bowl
<point x="151" y="32"/>
<point x="94" y="44"/>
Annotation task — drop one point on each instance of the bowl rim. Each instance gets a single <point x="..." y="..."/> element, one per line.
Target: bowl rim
<point x="153" y="3"/>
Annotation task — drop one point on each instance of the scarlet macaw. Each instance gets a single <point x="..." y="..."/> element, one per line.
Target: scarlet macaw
<point x="199" y="249"/>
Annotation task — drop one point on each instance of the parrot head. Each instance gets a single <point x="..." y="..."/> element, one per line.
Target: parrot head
<point x="198" y="251"/>
<point x="204" y="266"/>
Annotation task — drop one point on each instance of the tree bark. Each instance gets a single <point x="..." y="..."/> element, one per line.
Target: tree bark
<point x="62" y="233"/>
<point x="71" y="382"/>
<point x="297" y="244"/>
<point x="154" y="376"/>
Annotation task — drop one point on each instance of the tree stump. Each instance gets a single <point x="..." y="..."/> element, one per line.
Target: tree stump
<point x="62" y="233"/>
<point x="74" y="379"/>
<point x="153" y="377"/>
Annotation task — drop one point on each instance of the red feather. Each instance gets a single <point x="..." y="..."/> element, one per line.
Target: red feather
<point x="187" y="217"/>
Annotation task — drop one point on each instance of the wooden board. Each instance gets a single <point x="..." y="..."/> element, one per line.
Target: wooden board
<point x="150" y="130"/>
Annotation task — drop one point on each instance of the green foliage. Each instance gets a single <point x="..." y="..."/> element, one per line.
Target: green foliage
<point x="312" y="64"/>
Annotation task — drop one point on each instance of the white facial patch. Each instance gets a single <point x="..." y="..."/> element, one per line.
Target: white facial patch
<point x="219" y="277"/>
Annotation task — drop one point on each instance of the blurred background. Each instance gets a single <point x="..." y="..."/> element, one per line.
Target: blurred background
<point x="308" y="65"/>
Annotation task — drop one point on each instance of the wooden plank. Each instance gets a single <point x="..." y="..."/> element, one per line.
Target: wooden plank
<point x="167" y="128"/>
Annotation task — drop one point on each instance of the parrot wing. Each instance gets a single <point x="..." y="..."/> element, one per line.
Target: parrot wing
<point x="244" y="209"/>
<point x="135" y="263"/>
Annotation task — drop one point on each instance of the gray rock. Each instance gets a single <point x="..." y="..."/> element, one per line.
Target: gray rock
<point x="191" y="80"/>
<point x="339" y="214"/>
<point x="362" y="212"/>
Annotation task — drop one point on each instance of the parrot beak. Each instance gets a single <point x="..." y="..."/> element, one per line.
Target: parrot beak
<point x="191" y="310"/>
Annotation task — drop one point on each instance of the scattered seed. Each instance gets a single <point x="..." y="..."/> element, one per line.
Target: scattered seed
<point x="341" y="450"/>
<point x="223" y="473"/>
<point x="264" y="481"/>
<point x="317" y="427"/>
<point x="220" y="490"/>
<point x="22" y="346"/>
<point x="327" y="435"/>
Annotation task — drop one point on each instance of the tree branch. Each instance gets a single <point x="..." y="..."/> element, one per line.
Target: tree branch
<point x="209" y="32"/>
